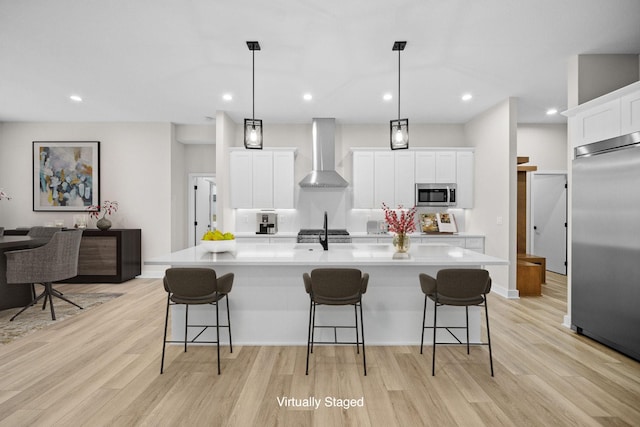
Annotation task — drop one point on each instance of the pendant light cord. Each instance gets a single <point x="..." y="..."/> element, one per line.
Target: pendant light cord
<point x="398" y="84"/>
<point x="253" y="85"/>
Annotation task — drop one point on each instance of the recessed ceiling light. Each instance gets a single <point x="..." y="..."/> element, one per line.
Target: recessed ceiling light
<point x="307" y="97"/>
<point x="227" y="97"/>
<point x="387" y="97"/>
<point x="467" y="97"/>
<point x="552" y="111"/>
<point x="75" y="98"/>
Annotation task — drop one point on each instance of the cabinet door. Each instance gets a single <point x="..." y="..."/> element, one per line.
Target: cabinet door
<point x="445" y="166"/>
<point x="262" y="179"/>
<point x="241" y="179"/>
<point x="597" y="123"/>
<point x="363" y="184"/>
<point x="283" y="180"/>
<point x="425" y="167"/>
<point x="384" y="185"/>
<point x="464" y="179"/>
<point x="630" y="112"/>
<point x="404" y="164"/>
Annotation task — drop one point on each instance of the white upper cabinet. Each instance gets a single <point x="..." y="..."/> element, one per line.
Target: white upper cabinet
<point x="241" y="179"/>
<point x="384" y="178"/>
<point x="390" y="176"/>
<point x="596" y="124"/>
<point x="363" y="184"/>
<point x="445" y="166"/>
<point x="630" y="113"/>
<point x="435" y="167"/>
<point x="425" y="168"/>
<point x="613" y="114"/>
<point x="261" y="179"/>
<point x="404" y="181"/>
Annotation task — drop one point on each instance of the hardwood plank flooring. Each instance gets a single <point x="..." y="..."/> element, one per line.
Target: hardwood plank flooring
<point x="102" y="368"/>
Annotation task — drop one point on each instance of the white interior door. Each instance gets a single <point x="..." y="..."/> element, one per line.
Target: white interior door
<point x="549" y="219"/>
<point x="202" y="206"/>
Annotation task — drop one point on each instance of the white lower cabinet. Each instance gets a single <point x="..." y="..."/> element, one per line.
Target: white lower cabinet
<point x="474" y="243"/>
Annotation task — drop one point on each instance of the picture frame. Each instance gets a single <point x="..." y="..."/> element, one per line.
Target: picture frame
<point x="447" y="223"/>
<point x="66" y="175"/>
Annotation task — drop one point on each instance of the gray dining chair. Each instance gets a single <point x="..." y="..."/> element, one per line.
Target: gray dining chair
<point x="56" y="260"/>
<point x="336" y="286"/>
<point x="39" y="232"/>
<point x="191" y="285"/>
<point x="462" y="287"/>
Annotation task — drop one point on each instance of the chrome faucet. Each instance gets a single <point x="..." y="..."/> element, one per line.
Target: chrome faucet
<point x="325" y="242"/>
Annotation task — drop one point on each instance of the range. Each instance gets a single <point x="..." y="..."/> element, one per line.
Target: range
<point x="311" y="235"/>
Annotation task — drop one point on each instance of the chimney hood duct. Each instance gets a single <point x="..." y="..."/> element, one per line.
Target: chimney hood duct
<point x="323" y="174"/>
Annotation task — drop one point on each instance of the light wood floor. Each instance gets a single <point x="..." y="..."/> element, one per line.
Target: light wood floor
<point x="101" y="367"/>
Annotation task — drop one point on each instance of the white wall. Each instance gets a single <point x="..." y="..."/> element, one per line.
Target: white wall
<point x="135" y="170"/>
<point x="225" y="138"/>
<point x="493" y="134"/>
<point x="545" y="145"/>
<point x="179" y="196"/>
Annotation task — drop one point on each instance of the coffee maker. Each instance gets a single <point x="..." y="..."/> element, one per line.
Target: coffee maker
<point x="267" y="223"/>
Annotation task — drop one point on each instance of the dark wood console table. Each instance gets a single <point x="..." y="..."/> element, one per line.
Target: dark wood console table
<point x="112" y="256"/>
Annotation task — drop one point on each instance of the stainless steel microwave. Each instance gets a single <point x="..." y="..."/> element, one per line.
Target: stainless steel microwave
<point x="436" y="195"/>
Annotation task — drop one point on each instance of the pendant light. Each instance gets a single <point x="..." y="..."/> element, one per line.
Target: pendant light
<point x="253" y="126"/>
<point x="399" y="129"/>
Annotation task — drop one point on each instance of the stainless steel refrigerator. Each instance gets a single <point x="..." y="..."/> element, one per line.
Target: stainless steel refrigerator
<point x="605" y="290"/>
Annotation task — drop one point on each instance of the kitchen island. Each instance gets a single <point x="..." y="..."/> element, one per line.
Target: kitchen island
<point x="269" y="305"/>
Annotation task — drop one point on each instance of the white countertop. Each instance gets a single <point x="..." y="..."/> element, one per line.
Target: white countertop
<point x="339" y="254"/>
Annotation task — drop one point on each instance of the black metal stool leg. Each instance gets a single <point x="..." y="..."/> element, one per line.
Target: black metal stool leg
<point x="186" y="325"/>
<point x="309" y="336"/>
<point x="364" y="356"/>
<point x="218" y="335"/>
<point x="486" y="312"/>
<point x="355" y="311"/>
<point x="424" y="318"/>
<point x="435" y="319"/>
<point x="229" y="324"/>
<point x="164" y="341"/>
<point x="466" y="312"/>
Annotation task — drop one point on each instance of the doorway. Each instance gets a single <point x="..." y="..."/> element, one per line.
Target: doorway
<point x="549" y="219"/>
<point x="202" y="206"/>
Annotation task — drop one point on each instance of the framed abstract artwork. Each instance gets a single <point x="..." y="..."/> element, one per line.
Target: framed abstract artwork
<point x="66" y="175"/>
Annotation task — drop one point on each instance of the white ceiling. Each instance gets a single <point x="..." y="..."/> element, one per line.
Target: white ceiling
<point x="172" y="60"/>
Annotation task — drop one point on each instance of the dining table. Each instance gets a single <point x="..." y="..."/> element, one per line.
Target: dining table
<point x="15" y="295"/>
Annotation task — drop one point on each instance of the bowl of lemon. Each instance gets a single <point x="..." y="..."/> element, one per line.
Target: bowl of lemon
<point x="217" y="241"/>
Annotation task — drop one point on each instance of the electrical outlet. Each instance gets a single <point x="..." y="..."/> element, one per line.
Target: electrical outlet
<point x="246" y="219"/>
<point x="499" y="220"/>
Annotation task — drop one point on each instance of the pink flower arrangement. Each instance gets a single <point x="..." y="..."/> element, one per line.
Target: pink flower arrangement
<point x="403" y="224"/>
<point x="107" y="207"/>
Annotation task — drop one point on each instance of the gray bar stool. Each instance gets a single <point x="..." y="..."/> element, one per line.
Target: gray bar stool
<point x="189" y="286"/>
<point x="463" y="287"/>
<point x="336" y="286"/>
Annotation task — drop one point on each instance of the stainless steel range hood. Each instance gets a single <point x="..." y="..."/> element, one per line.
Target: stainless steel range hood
<point x="323" y="174"/>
